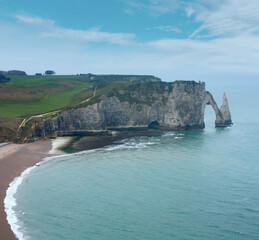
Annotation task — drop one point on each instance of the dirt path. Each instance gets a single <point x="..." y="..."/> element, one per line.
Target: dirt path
<point x="25" y="120"/>
<point x="88" y="99"/>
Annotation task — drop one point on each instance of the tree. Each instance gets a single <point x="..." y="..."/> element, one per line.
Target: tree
<point x="49" y="72"/>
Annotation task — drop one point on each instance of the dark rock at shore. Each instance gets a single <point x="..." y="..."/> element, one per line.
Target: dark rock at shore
<point x="113" y="138"/>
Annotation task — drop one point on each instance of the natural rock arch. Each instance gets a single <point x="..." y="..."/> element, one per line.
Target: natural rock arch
<point x="223" y="116"/>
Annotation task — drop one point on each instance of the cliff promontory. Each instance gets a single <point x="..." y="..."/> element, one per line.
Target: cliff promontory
<point x="136" y="104"/>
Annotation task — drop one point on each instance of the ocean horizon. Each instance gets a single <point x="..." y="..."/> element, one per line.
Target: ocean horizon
<point x="194" y="184"/>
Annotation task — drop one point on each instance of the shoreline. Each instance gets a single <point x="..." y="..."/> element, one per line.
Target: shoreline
<point x="83" y="143"/>
<point x="17" y="159"/>
<point x="14" y="160"/>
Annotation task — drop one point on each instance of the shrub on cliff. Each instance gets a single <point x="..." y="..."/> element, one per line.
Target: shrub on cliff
<point x="6" y="134"/>
<point x="4" y="79"/>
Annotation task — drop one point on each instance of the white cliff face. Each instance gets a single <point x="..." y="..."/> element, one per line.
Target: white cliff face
<point x="178" y="105"/>
<point x="225" y="110"/>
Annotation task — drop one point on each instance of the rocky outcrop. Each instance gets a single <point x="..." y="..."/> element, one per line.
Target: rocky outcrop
<point x="223" y="116"/>
<point x="225" y="111"/>
<point x="169" y="106"/>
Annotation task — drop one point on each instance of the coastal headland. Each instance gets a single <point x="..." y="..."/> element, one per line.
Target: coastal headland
<point x="92" y="111"/>
<point x="40" y="107"/>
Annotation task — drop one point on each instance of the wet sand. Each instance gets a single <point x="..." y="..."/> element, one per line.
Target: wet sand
<point x="14" y="159"/>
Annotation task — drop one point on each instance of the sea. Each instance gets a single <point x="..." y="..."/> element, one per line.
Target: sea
<point x="195" y="184"/>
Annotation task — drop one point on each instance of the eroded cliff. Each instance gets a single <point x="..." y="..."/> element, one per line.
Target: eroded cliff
<point x="169" y="106"/>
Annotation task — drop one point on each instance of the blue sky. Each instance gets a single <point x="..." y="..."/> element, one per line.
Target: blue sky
<point x="172" y="39"/>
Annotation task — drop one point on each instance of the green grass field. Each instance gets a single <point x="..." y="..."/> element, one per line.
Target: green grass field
<point x="56" y="92"/>
<point x="35" y="81"/>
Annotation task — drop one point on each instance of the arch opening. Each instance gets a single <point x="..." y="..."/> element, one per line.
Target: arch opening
<point x="209" y="117"/>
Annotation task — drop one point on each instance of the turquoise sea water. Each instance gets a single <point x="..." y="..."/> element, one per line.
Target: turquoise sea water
<point x="199" y="184"/>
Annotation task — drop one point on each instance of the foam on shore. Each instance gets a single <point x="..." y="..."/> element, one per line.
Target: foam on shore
<point x="10" y="203"/>
<point x="58" y="143"/>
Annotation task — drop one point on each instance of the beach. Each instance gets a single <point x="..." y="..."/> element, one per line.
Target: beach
<point x="14" y="159"/>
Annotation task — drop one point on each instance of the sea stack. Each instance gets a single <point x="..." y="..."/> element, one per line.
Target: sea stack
<point x="225" y="111"/>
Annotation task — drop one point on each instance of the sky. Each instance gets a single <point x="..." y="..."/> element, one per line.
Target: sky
<point x="198" y="40"/>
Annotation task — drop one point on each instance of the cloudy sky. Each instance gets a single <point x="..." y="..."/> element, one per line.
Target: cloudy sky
<point x="172" y="39"/>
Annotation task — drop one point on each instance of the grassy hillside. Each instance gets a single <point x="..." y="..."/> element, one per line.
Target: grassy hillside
<point x="25" y="95"/>
<point x="48" y="102"/>
<point x="34" y="81"/>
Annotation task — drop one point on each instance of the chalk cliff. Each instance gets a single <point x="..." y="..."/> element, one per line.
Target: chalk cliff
<point x="225" y="111"/>
<point x="169" y="106"/>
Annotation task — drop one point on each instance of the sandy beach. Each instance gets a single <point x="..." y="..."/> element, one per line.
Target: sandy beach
<point x="14" y="159"/>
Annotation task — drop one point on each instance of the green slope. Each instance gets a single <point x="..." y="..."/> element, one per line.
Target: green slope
<point x="49" y="102"/>
<point x="25" y="95"/>
<point x="35" y="81"/>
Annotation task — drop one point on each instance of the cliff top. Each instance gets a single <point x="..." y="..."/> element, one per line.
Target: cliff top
<point x="23" y="96"/>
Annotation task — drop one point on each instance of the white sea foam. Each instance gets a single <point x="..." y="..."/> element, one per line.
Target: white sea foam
<point x="169" y="134"/>
<point x="58" y="143"/>
<point x="173" y="134"/>
<point x="10" y="203"/>
<point x="130" y="145"/>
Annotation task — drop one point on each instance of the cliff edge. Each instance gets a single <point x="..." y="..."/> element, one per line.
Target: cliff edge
<point x="127" y="105"/>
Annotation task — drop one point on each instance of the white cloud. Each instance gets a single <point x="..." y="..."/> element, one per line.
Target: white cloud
<point x="238" y="54"/>
<point x="155" y="7"/>
<point x="231" y="50"/>
<point x="231" y="17"/>
<point x="217" y="17"/>
<point x="90" y="35"/>
<point x="168" y="29"/>
<point x="34" y="20"/>
<point x="189" y="11"/>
